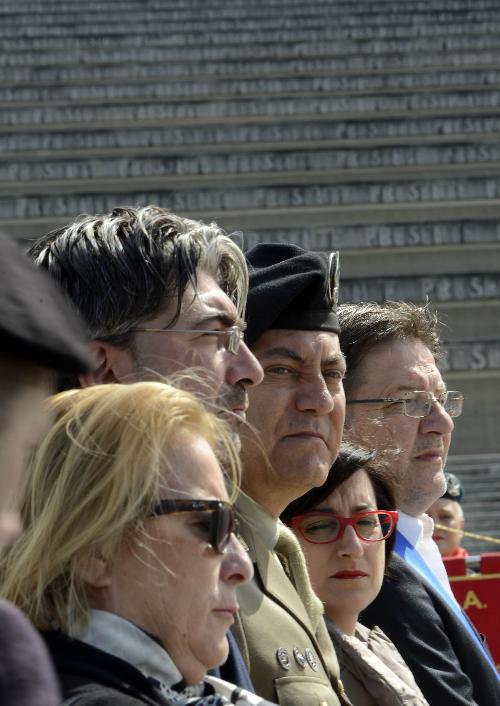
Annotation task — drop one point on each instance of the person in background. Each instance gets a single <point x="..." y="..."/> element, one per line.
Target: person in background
<point x="447" y="512"/>
<point x="39" y="336"/>
<point x="398" y="404"/>
<point x="346" y="530"/>
<point x="129" y="561"/>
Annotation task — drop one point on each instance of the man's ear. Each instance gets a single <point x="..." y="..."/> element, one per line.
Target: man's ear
<point x="94" y="570"/>
<point x="112" y="364"/>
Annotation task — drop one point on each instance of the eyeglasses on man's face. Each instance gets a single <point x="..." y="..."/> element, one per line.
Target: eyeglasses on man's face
<point x="419" y="403"/>
<point x="229" y="338"/>
<point x="216" y="520"/>
<point x="323" y="527"/>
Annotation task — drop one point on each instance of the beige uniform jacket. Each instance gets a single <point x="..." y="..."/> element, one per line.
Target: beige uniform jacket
<point x="289" y="661"/>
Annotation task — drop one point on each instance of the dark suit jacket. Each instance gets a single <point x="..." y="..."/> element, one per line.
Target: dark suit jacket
<point x="27" y="677"/>
<point x="447" y="664"/>
<point x="234" y="669"/>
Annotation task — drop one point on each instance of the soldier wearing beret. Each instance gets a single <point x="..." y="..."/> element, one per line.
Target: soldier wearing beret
<point x="39" y="335"/>
<point x="447" y="512"/>
<point x="296" y="417"/>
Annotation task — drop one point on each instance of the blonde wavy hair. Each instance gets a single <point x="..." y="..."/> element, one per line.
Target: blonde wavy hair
<point x="93" y="481"/>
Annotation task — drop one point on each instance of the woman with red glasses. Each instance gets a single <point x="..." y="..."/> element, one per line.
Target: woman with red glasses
<point x="346" y="530"/>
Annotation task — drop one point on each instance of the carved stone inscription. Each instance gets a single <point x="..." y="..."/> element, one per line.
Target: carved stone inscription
<point x="380" y="236"/>
<point x="61" y="71"/>
<point x="322" y="105"/>
<point x="471" y="356"/>
<point x="259" y="197"/>
<point x="295" y="47"/>
<point x="230" y="17"/>
<point x="248" y="162"/>
<point x="420" y="289"/>
<point x="247" y="133"/>
<point x="233" y="87"/>
<point x="413" y="49"/>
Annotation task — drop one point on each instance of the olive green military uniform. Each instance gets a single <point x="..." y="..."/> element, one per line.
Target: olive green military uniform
<point x="282" y="637"/>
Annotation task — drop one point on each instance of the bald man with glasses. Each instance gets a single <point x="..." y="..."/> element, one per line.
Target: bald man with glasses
<point x="397" y="403"/>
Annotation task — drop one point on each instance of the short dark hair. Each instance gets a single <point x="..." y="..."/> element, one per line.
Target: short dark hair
<point x="368" y="324"/>
<point x="350" y="460"/>
<point x="118" y="268"/>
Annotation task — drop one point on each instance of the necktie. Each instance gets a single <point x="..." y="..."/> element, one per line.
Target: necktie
<point x="290" y="554"/>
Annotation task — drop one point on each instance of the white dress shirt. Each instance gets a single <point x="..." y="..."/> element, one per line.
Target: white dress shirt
<point x="418" y="532"/>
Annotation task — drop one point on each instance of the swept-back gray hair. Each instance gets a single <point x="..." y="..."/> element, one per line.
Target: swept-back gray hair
<point x="119" y="268"/>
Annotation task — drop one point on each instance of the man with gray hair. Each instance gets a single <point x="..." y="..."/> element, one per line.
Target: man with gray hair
<point x="397" y="403"/>
<point x="159" y="293"/>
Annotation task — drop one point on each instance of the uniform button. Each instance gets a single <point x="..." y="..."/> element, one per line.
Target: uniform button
<point x="313" y="662"/>
<point x="299" y="658"/>
<point x="283" y="658"/>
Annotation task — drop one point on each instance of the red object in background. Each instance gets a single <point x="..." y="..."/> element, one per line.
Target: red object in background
<point x="479" y="596"/>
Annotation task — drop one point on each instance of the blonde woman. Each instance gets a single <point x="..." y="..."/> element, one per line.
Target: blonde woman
<point x="129" y="563"/>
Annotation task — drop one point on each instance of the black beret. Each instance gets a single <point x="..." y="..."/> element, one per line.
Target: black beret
<point x="291" y="288"/>
<point x="454" y="488"/>
<point x="36" y="324"/>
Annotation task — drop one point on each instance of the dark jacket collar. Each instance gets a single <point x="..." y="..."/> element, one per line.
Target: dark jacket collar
<point x="80" y="665"/>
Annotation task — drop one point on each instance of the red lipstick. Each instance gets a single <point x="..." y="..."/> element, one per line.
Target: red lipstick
<point x="349" y="574"/>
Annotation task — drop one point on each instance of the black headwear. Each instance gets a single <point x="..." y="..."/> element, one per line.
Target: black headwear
<point x="291" y="288"/>
<point x="454" y="488"/>
<point x="36" y="324"/>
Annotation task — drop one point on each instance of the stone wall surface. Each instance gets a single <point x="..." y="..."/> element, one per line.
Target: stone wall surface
<point x="368" y="127"/>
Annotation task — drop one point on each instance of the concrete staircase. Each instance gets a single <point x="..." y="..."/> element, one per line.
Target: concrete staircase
<point x="371" y="127"/>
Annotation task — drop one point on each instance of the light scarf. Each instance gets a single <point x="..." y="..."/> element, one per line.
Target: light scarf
<point x="121" y="638"/>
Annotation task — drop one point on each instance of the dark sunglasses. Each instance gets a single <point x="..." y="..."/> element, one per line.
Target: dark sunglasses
<point x="216" y="518"/>
<point x="322" y="527"/>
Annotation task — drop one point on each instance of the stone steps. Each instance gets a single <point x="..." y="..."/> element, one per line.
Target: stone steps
<point x="171" y="76"/>
<point x="358" y="50"/>
<point x="257" y="129"/>
<point x="422" y="98"/>
<point x="287" y="32"/>
<point x="242" y="108"/>
<point x="27" y="93"/>
<point x="200" y="196"/>
<point x="70" y="144"/>
<point x="31" y="96"/>
<point x="218" y="30"/>
<point x="380" y="13"/>
<point x="293" y="190"/>
<point x="287" y="188"/>
<point x="358" y="146"/>
<point x="369" y="126"/>
<point x="30" y="218"/>
<point x="389" y="238"/>
<point x="139" y="68"/>
<point x="468" y="158"/>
